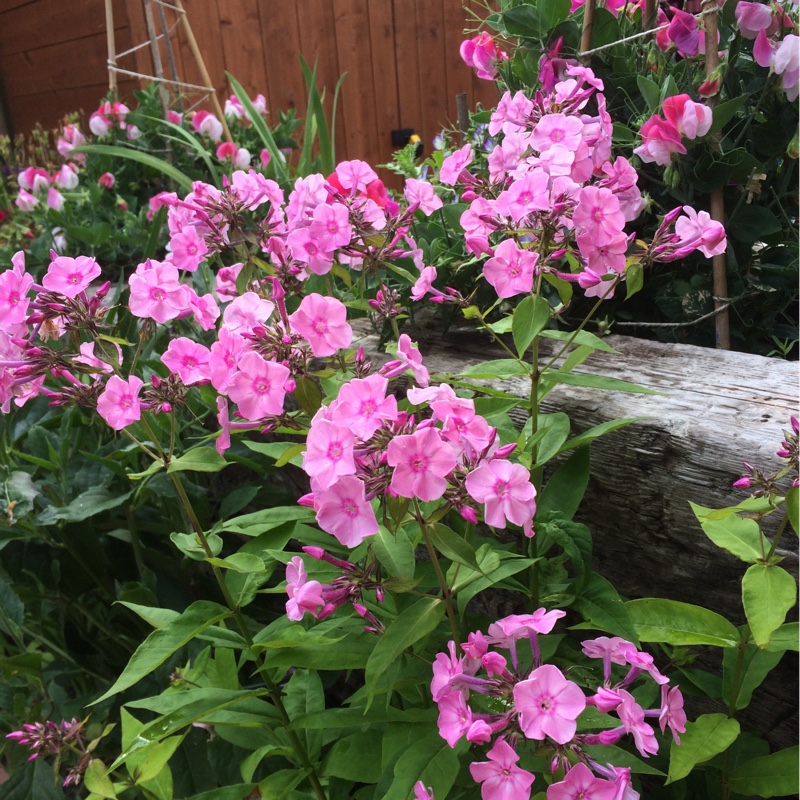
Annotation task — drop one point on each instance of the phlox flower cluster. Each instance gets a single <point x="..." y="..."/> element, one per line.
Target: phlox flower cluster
<point x="553" y="189"/>
<point x="502" y="702"/>
<point x="55" y="739"/>
<point x="762" y="484"/>
<point x="361" y="448"/>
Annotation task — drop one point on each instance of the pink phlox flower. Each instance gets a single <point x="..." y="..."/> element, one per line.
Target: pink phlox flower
<point x="453" y="165"/>
<point x="598" y="214"/>
<point x="408" y="357"/>
<point x="88" y="357"/>
<point x="548" y="705"/>
<point x="322" y="322"/>
<point x="119" y="404"/>
<point x="329" y="452"/>
<point x="305" y="249"/>
<point x="506" y="491"/>
<point x="355" y="176"/>
<point x="421" y="461"/>
<point x="511" y="270"/>
<point x="690" y="118"/>
<point x="331" y="227"/>
<point x="632" y="716"/>
<point x="15" y="284"/>
<point x="424" y="284"/>
<point x="421" y="792"/>
<point x="223" y="358"/>
<point x="500" y="777"/>
<point x="308" y="193"/>
<point x="156" y="292"/>
<point x="479" y="732"/>
<point x="304" y="595"/>
<point x="258" y="388"/>
<point x="528" y="194"/>
<point x="246" y="312"/>
<point x="343" y="511"/>
<point x="205" y="309"/>
<point x="423" y="193"/>
<point x="552" y="67"/>
<point x="522" y="626"/>
<point x="187" y="359"/>
<point x="446" y="668"/>
<point x="683" y="31"/>
<point x="188" y="249"/>
<point x="698" y="231"/>
<point x="206" y="124"/>
<point x="253" y="189"/>
<point x="418" y="396"/>
<point x="641" y="662"/>
<point x="478" y="218"/>
<point x="672" y="713"/>
<point x="622" y="179"/>
<point x="226" y="282"/>
<point x="560" y="129"/>
<point x="494" y="664"/>
<point x="455" y="717"/>
<point x="786" y="63"/>
<point x="604" y="258"/>
<point x="511" y="114"/>
<point x="475" y="648"/>
<point x="752" y="18"/>
<point x="362" y="405"/>
<point x="604" y="700"/>
<point x="482" y="54"/>
<point x="580" y="783"/>
<point x="506" y="157"/>
<point x="660" y="139"/>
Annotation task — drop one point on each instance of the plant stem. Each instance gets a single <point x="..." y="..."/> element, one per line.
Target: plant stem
<point x="136" y="543"/>
<point x="735" y="689"/>
<point x="446" y="596"/>
<point x="776" y="540"/>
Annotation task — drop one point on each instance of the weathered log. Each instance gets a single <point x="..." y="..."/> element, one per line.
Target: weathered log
<point x="718" y="408"/>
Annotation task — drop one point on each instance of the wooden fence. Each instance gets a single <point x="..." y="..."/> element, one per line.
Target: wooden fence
<point x="400" y="57"/>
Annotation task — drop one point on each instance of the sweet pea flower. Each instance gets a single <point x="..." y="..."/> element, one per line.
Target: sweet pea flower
<point x="683" y="31"/>
<point x="34" y="180"/>
<point x="70" y="276"/>
<point x="786" y="63"/>
<point x="25" y="201"/>
<point x="421" y="792"/>
<point x="258" y="387"/>
<point x="71" y="137"/>
<point x="500" y="777"/>
<point x="752" y="18"/>
<point x="482" y="54"/>
<point x="548" y="705"/>
<point x="67" y="176"/>
<point x="106" y="180"/>
<point x="206" y="124"/>
<point x="322" y="321"/>
<point x="660" y="139"/>
<point x="119" y="402"/>
<point x="691" y="119"/>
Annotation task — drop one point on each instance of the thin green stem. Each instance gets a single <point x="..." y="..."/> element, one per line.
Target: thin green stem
<point x="735" y="689"/>
<point x="136" y="543"/>
<point x="777" y="539"/>
<point x="140" y="445"/>
<point x="446" y="596"/>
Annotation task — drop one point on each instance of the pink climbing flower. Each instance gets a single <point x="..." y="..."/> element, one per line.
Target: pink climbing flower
<point x="548" y="704"/>
<point x="343" y="511"/>
<point x="322" y="321"/>
<point x="660" y="139"/>
<point x="691" y="119"/>
<point x="187" y="359"/>
<point x="507" y="492"/>
<point x="329" y="452"/>
<point x="500" y="777"/>
<point x="119" y="402"/>
<point x="684" y="33"/>
<point x="422" y="460"/>
<point x="106" y="180"/>
<point x="482" y="54"/>
<point x="70" y="276"/>
<point x="580" y="783"/>
<point x="421" y="792"/>
<point x="258" y="387"/>
<point x="206" y="124"/>
<point x="304" y="595"/>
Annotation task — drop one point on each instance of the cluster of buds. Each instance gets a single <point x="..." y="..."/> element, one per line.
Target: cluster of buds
<point x="528" y="701"/>
<point x="321" y="600"/>
<point x="762" y="484"/>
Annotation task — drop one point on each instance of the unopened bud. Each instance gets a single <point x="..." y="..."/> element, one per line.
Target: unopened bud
<point x="314" y="552"/>
<point x="290" y="385"/>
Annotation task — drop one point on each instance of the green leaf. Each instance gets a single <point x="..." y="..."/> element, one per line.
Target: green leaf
<point x="316" y="111"/>
<point x="740" y="536"/>
<point x="634" y="280"/>
<point x="155" y="467"/>
<point x="162" y="643"/>
<point x="429" y="760"/>
<point x="565" y="489"/>
<point x="181" y="178"/>
<point x="768" y="592"/>
<point x="304" y="695"/>
<point x="97" y="781"/>
<point x="308" y="395"/>
<point x="246" y="563"/>
<point x="676" y="623"/>
<point x="522" y="21"/>
<point x="200" y="459"/>
<point x="600" y="605"/>
<point x="752" y="223"/>
<point x="595" y="382"/>
<point x="650" y="92"/>
<point x="413" y="624"/>
<point x="85" y="505"/>
<point x="707" y="736"/>
<point x="283" y="452"/>
<point x="452" y="546"/>
<point x="786" y="637"/>
<point x="724" y="112"/>
<point x="395" y="551"/>
<point x="530" y="317"/>
<point x="597" y="431"/>
<point x="189" y="544"/>
<point x="582" y="338"/>
<point x="499" y="368"/>
<point x="774" y="775"/>
<point x="356" y="757"/>
<point x="552" y="13"/>
<point x="554" y="430"/>
<point x="750" y="668"/>
<point x="793" y="508"/>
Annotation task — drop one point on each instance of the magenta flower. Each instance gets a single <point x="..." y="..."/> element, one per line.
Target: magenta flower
<point x="156" y="292"/>
<point x="660" y="139"/>
<point x="511" y="270"/>
<point x="672" y="713"/>
<point x="224" y="357"/>
<point x="500" y="777"/>
<point x="15" y="284"/>
<point x="507" y="492"/>
<point x="363" y="406"/>
<point x="119" y="402"/>
<point x="518" y="626"/>
<point x="331" y="226"/>
<point x="454" y="164"/>
<point x="187" y="359"/>
<point x="581" y="783"/>
<point x="685" y="34"/>
<point x="246" y="312"/>
<point x="188" y="249"/>
<point x="632" y="716"/>
<point x="408" y="357"/>
<point x="445" y="669"/>
<point x="70" y="276"/>
<point x="421" y="792"/>
<point x="304" y="595"/>
<point x="690" y="118"/>
<point x="322" y="321"/>
<point x="258" y="387"/>
<point x="548" y="705"/>
<point x="752" y="18"/>
<point x="482" y="54"/>
<point x="422" y="461"/>
<point x="455" y="717"/>
<point x="699" y="231"/>
<point x="598" y="214"/>
<point x="329" y="452"/>
<point x="343" y="511"/>
<point x="305" y="249"/>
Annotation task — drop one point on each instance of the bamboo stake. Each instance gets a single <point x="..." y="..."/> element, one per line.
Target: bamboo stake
<point x="462" y="111"/>
<point x="201" y="65"/>
<point x="112" y="48"/>
<point x="162" y="21"/>
<point x="588" y="25"/>
<point x="717" y="210"/>
<point x="650" y="14"/>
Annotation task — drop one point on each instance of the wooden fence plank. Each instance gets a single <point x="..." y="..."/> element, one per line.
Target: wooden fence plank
<point x="240" y="32"/>
<point x="406" y="51"/>
<point x="204" y="21"/>
<point x="384" y="83"/>
<point x="431" y="68"/>
<point x="280" y="34"/>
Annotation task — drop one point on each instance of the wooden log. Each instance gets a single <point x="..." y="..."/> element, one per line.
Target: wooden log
<point x="718" y="408"/>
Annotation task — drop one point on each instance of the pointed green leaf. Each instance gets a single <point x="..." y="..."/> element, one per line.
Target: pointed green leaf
<point x="97" y="781"/>
<point x="740" y="536"/>
<point x="597" y="431"/>
<point x="201" y="459"/>
<point x="183" y="180"/>
<point x="584" y="338"/>
<point x="600" y="605"/>
<point x="308" y="395"/>
<point x="707" y="736"/>
<point x="786" y="637"/>
<point x="793" y="508"/>
<point x="162" y="643"/>
<point x="595" y="382"/>
<point x="395" y="551"/>
<point x="676" y="623"/>
<point x="565" y="489"/>
<point x="650" y="92"/>
<point x="530" y="317"/>
<point x="774" y="775"/>
<point x="768" y="592"/>
<point x="748" y="670"/>
<point x="452" y="546"/>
